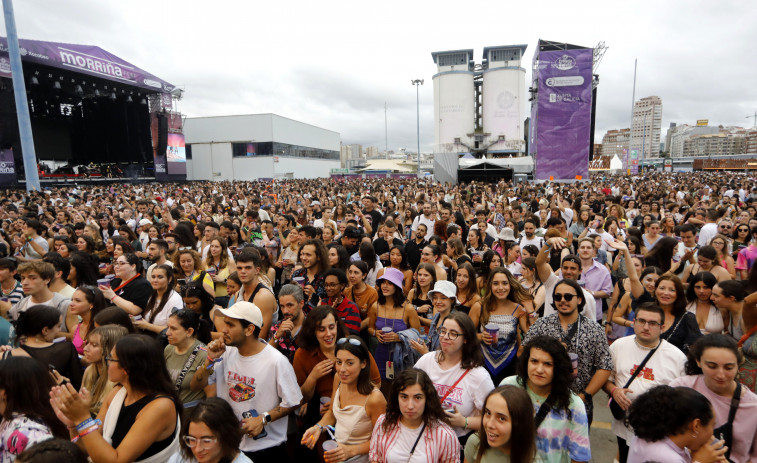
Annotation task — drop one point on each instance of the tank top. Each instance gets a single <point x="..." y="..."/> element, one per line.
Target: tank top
<point x="126" y="419"/>
<point x="77" y="340"/>
<point x="353" y="425"/>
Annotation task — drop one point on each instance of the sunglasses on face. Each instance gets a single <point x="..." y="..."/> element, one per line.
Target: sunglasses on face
<point x="567" y="296"/>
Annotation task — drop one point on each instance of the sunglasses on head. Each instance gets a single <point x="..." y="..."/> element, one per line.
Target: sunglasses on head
<point x="352" y="341"/>
<point x="567" y="296"/>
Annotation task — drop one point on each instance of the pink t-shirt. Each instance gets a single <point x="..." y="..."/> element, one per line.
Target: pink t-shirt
<point x="746" y="258"/>
<point x="744" y="447"/>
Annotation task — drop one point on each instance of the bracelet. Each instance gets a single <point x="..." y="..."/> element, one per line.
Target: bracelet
<point x="84" y="433"/>
<point x="114" y="298"/>
<point x="87" y="423"/>
<point x="466" y="423"/>
<point x="613" y="390"/>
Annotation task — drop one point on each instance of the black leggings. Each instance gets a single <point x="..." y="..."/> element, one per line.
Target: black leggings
<point x="622" y="450"/>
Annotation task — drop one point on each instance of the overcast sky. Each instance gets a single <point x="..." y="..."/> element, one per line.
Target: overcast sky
<point x="334" y="64"/>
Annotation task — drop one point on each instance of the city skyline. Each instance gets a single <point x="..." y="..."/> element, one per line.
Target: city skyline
<point x="300" y="61"/>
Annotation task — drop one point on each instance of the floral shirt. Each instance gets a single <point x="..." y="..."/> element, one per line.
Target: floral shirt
<point x="287" y="344"/>
<point x="18" y="434"/>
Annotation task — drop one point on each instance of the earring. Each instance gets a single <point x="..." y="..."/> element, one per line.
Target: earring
<point x="695" y="435"/>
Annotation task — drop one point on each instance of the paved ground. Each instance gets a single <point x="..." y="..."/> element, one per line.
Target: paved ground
<point x="603" y="444"/>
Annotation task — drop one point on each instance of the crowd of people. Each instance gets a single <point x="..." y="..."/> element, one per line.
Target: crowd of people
<point x="380" y="320"/>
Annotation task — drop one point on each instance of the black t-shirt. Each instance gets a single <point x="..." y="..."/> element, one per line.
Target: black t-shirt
<point x="381" y="246"/>
<point x="138" y="291"/>
<point x="63" y="356"/>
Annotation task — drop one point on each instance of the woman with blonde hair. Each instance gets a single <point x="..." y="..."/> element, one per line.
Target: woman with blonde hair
<point x="100" y="341"/>
<point x="219" y="266"/>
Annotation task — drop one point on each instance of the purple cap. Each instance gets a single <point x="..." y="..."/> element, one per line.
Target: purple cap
<point x="392" y="275"/>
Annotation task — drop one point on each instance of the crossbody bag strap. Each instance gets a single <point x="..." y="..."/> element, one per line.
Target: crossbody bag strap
<point x="417" y="439"/>
<point x="544" y="409"/>
<point x="453" y="386"/>
<point x="187" y="366"/>
<point x="641" y="366"/>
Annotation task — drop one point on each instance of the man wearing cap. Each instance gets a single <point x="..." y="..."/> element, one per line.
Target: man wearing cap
<point x="570" y="268"/>
<point x="252" y="377"/>
<point x="144" y="237"/>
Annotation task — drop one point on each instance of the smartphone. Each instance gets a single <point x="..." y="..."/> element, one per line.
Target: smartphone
<point x="252" y="414"/>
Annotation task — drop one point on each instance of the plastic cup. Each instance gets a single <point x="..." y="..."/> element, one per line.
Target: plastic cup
<point x="325" y="400"/>
<point x="103" y="282"/>
<point x="329" y="445"/>
<point x="4" y="299"/>
<point x="211" y="271"/>
<point x="101" y="266"/>
<point x="492" y="329"/>
<point x="299" y="280"/>
<point x="110" y="277"/>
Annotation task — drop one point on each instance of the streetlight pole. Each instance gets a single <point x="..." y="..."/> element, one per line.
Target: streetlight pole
<point x="418" y="83"/>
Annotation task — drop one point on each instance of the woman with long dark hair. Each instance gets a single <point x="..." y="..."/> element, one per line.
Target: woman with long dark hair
<point x="467" y="291"/>
<point x="662" y="253"/>
<point x="368" y="255"/>
<point x="83" y="269"/>
<point x="27" y="417"/>
<point x="198" y="300"/>
<point x="707" y="261"/>
<point x="210" y="434"/>
<point x="86" y="302"/>
<point x="673" y="425"/>
<point x="507" y="429"/>
<point x="489" y="262"/>
<point x="699" y="294"/>
<point x="413" y="416"/>
<point x="545" y="372"/>
<point x="458" y="365"/>
<point x="338" y="256"/>
<point x="162" y="301"/>
<point x="140" y="419"/>
<point x="712" y="370"/>
<point x="314" y="360"/>
<point x="356" y="405"/>
<point x="398" y="260"/>
<point x="37" y="328"/>
<point x="184" y="354"/>
<point x="425" y="279"/>
<point x="219" y="266"/>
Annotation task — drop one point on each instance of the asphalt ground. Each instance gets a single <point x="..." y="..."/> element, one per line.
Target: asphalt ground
<point x="604" y="445"/>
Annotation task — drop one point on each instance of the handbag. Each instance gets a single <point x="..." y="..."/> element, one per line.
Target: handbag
<point x="617" y="412"/>
<point x="725" y="431"/>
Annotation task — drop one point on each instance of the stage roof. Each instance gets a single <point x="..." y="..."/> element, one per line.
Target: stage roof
<point x="85" y="59"/>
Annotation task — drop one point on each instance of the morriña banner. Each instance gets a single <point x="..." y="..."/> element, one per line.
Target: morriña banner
<point x="563" y="114"/>
<point x="7" y="168"/>
<point x="86" y="59"/>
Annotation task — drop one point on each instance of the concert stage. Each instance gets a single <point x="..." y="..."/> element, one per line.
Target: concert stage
<point x="95" y="117"/>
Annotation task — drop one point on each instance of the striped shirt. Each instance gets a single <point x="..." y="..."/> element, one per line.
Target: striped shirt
<point x="348" y="312"/>
<point x="439" y="444"/>
<point x="15" y="295"/>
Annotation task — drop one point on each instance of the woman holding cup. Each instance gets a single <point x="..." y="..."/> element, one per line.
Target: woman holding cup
<point x="357" y="405"/>
<point x="502" y="320"/>
<point x="288" y="256"/>
<point x="218" y="265"/>
<point x="389" y="316"/>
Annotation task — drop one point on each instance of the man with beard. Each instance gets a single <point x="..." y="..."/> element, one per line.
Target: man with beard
<point x="255" y="379"/>
<point x="253" y="290"/>
<point x="529" y="234"/>
<point x="156" y="253"/>
<point x="283" y="335"/>
<point x="581" y="336"/>
<point x="570" y="268"/>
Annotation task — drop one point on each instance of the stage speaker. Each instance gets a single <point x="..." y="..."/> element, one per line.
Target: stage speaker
<point x="162" y="135"/>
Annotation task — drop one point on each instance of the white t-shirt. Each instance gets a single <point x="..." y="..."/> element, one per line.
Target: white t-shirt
<point x="667" y="364"/>
<point x="708" y="231"/>
<point x="174" y="301"/>
<point x="260" y="382"/>
<point x="537" y="241"/>
<point x="429" y="223"/>
<point x="469" y="394"/>
<point x="491" y="230"/>
<point x="206" y="250"/>
<point x="590" y="308"/>
<point x="148" y="274"/>
<point x="567" y="215"/>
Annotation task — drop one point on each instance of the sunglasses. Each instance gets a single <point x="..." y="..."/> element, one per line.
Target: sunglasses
<point x="567" y="296"/>
<point x="352" y="341"/>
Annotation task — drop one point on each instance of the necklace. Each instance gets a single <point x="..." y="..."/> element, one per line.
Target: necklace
<point x="386" y="318"/>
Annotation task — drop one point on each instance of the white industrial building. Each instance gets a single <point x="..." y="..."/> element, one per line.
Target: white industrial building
<point x="478" y="108"/>
<point x="258" y="146"/>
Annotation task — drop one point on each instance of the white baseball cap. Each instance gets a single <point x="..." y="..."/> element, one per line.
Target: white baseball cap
<point x="244" y="310"/>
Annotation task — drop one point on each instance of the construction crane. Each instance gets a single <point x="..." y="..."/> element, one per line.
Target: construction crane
<point x="755" y="118"/>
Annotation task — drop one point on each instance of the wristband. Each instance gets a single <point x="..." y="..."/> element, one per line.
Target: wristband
<point x="85" y="432"/>
<point x="114" y="298"/>
<point x="466" y="423"/>
<point x="613" y="390"/>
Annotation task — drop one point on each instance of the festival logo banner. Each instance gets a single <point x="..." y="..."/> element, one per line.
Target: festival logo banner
<point x="7" y="168"/>
<point x="563" y="114"/>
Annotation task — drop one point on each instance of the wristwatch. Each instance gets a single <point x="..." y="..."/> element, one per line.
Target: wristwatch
<point x="266" y="418"/>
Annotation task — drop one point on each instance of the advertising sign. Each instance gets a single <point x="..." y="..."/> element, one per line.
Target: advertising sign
<point x="7" y="168"/>
<point x="176" y="155"/>
<point x="563" y="114"/>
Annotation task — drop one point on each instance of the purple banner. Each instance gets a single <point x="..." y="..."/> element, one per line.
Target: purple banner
<point x="86" y="59"/>
<point x="7" y="168"/>
<point x="562" y="114"/>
